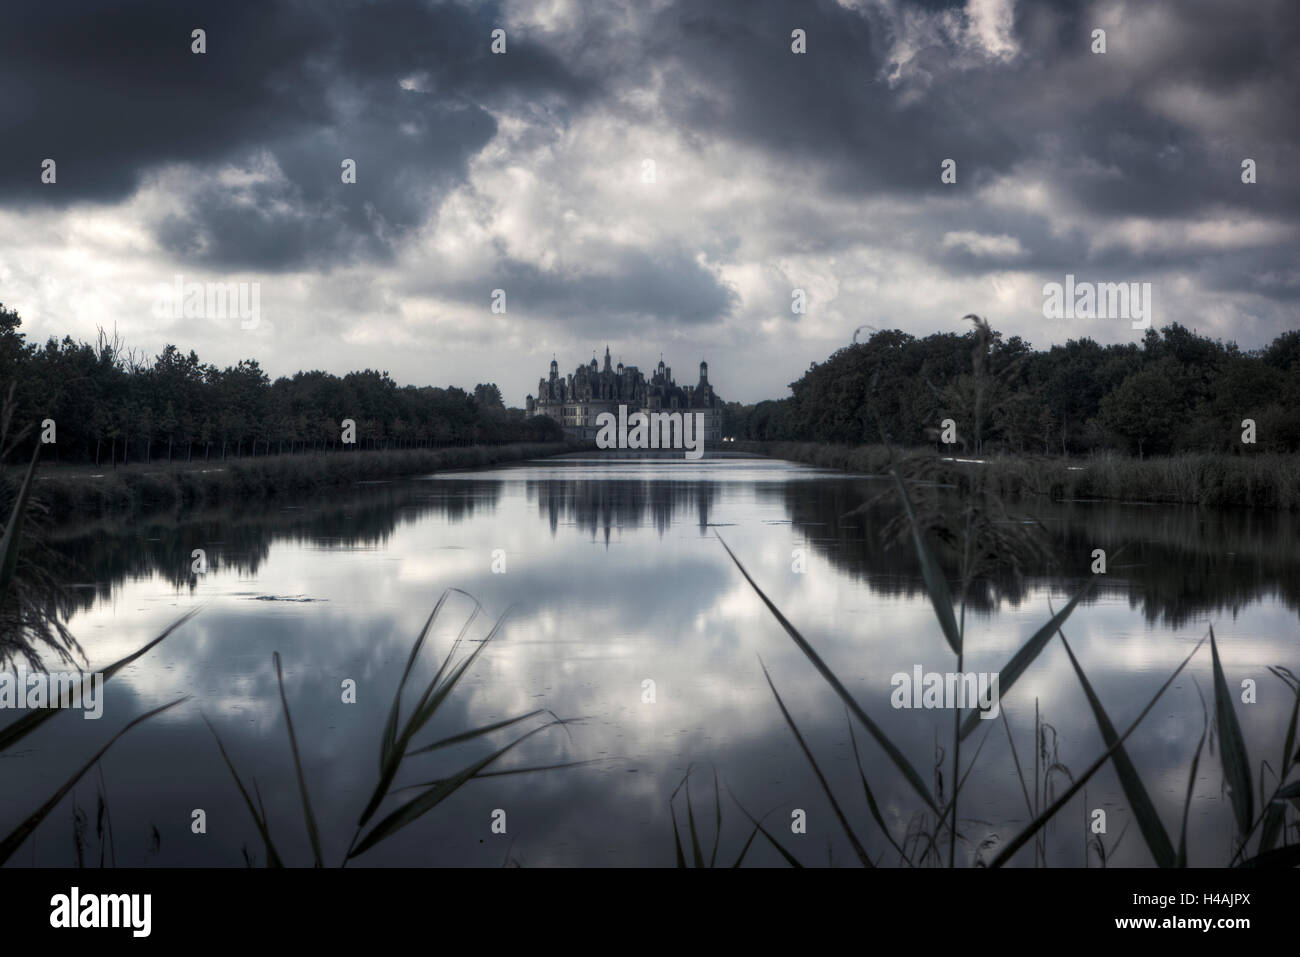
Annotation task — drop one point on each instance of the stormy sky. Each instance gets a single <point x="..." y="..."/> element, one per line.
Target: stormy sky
<point x="526" y="171"/>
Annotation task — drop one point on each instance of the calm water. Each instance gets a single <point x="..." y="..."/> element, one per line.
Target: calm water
<point x="616" y="577"/>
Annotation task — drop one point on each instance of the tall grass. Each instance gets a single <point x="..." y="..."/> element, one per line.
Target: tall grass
<point x="695" y="832"/>
<point x="19" y="621"/>
<point x="981" y="536"/>
<point x="1264" y="480"/>
<point x="397" y="744"/>
<point x="17" y="730"/>
<point x="87" y="492"/>
<point x="1266" y="815"/>
<point x="32" y="601"/>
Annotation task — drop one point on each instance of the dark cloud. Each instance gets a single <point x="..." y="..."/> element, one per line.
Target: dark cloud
<point x="731" y="74"/>
<point x="114" y="92"/>
<point x="249" y="138"/>
<point x="636" y="285"/>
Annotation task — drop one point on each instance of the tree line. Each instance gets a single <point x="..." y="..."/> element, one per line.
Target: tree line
<point x="110" y="405"/>
<point x="1175" y="391"/>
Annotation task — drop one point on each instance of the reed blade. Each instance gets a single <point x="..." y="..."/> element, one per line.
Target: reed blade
<point x="1232" y="748"/>
<point x="425" y="713"/>
<point x="745" y="850"/>
<point x="717" y="821"/>
<point x="677" y="840"/>
<point x="29" y="722"/>
<point x="24" y="830"/>
<point x="789" y="858"/>
<point x="1275" y="814"/>
<point x="388" y="741"/>
<point x="418" y="806"/>
<point x="895" y="755"/>
<point x="429" y="702"/>
<point x="1153" y="831"/>
<point x="1020" y="839"/>
<point x="509" y="772"/>
<point x="821" y="778"/>
<point x="696" y="854"/>
<point x="475" y="733"/>
<point x="1023" y="658"/>
<point x="1191" y="784"/>
<point x="936" y="585"/>
<point x="871" y="798"/>
<point x="272" y="855"/>
<point x="312" y="831"/>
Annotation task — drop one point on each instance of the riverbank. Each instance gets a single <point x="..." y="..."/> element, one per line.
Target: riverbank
<point x="81" y="492"/>
<point x="1265" y="480"/>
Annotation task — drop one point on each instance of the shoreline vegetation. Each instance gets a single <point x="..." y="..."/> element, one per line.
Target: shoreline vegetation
<point x="1217" y="480"/>
<point x="68" y="492"/>
<point x="1174" y="393"/>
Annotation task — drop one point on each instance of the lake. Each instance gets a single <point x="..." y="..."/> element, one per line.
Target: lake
<point x="626" y="612"/>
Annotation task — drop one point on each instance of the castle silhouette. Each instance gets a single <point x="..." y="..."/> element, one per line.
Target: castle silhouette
<point x="576" y="399"/>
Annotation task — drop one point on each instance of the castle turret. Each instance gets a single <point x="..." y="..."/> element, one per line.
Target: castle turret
<point x="576" y="399"/>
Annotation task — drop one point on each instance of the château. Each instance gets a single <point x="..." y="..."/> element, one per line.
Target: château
<point x="577" y="399"/>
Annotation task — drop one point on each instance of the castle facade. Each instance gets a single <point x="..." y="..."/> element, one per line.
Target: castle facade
<point x="577" y="399"/>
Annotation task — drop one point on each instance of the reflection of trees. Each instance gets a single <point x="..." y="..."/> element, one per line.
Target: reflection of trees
<point x="1182" y="563"/>
<point x="240" y="540"/>
<point x="600" y="505"/>
<point x="1179" y="563"/>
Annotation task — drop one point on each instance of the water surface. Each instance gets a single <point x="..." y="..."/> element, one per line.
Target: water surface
<point x="614" y="576"/>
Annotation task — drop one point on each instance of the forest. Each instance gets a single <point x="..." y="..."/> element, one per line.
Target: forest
<point x="111" y="405"/>
<point x="1173" y="392"/>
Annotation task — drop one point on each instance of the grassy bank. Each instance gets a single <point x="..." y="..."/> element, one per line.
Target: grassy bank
<point x="1259" y="481"/>
<point x="81" y="492"/>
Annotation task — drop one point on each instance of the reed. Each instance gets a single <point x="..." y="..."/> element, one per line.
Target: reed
<point x="979" y="536"/>
<point x="25" y="629"/>
<point x="397" y="744"/>
<point x="1265" y="480"/>
<point x="1266" y="815"/>
<point x="73" y="492"/>
<point x="29" y="623"/>
<point x="939" y="818"/>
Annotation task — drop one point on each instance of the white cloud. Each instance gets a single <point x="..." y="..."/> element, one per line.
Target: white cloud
<point x="979" y="244"/>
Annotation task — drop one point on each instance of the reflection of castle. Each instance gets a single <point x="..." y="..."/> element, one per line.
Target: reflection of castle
<point x="575" y="401"/>
<point x="603" y="508"/>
